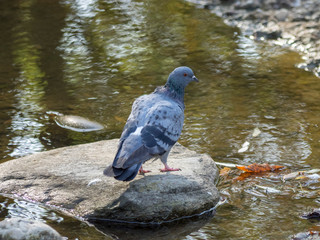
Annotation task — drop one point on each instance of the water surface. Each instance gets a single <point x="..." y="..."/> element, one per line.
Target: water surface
<point x="93" y="58"/>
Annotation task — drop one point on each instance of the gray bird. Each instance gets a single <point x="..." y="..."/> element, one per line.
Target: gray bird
<point x="153" y="127"/>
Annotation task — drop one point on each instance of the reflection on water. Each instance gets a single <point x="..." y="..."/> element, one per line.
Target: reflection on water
<point x="29" y="89"/>
<point x="65" y="224"/>
<point x="29" y="210"/>
<point x="168" y="231"/>
<point x="92" y="58"/>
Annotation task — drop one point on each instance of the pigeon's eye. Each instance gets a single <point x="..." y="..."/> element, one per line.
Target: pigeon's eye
<point x="185" y="74"/>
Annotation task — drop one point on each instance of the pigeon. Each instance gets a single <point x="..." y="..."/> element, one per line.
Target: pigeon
<point x="153" y="127"/>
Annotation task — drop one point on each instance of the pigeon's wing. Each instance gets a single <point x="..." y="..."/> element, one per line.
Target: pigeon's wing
<point x="136" y="117"/>
<point x="162" y="128"/>
<point x="129" y="140"/>
<point x="129" y="146"/>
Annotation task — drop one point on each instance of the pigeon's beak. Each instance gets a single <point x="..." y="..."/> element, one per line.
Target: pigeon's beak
<point x="195" y="79"/>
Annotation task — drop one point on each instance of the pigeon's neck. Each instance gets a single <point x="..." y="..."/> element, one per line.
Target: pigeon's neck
<point x="176" y="89"/>
<point x="175" y="95"/>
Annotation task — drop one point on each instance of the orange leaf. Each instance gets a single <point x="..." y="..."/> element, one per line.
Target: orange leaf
<point x="243" y="176"/>
<point x="225" y="171"/>
<point x="256" y="168"/>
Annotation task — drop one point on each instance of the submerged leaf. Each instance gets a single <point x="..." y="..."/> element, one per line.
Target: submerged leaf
<point x="225" y="171"/>
<point x="257" y="168"/>
<point x="243" y="176"/>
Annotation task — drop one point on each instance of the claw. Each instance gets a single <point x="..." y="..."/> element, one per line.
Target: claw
<point x="169" y="169"/>
<point x="142" y="172"/>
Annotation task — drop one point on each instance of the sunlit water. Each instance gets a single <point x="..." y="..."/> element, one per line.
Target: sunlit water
<point x="93" y="58"/>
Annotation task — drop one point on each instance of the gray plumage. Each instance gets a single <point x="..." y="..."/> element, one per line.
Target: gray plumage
<point x="153" y="127"/>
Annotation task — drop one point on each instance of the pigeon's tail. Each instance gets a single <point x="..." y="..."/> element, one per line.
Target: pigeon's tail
<point x="131" y="166"/>
<point x="122" y="174"/>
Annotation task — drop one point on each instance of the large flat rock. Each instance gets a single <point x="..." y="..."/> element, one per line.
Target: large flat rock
<point x="71" y="180"/>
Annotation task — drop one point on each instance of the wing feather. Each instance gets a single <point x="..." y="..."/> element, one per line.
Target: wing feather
<point x="163" y="128"/>
<point x="149" y="131"/>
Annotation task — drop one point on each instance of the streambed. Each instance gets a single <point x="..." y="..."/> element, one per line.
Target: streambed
<point x="93" y="58"/>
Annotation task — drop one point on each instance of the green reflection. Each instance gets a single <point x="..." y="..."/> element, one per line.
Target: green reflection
<point x="29" y="85"/>
<point x="27" y="60"/>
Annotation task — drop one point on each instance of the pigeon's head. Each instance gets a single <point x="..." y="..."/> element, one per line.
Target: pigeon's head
<point x="180" y="78"/>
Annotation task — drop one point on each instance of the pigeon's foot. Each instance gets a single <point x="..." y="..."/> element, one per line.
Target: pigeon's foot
<point x="142" y="171"/>
<point x="169" y="169"/>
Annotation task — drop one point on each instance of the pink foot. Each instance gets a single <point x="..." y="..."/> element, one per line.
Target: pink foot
<point x="169" y="169"/>
<point x="141" y="171"/>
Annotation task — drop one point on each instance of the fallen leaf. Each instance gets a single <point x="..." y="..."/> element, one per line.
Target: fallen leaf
<point x="257" y="168"/>
<point x="225" y="171"/>
<point x="243" y="176"/>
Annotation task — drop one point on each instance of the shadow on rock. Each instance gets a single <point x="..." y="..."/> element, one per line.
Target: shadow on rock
<point x="150" y="202"/>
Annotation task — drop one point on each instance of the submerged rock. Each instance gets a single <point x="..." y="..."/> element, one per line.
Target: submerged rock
<point x="71" y="179"/>
<point x="77" y="123"/>
<point x="26" y="229"/>
<point x="311" y="215"/>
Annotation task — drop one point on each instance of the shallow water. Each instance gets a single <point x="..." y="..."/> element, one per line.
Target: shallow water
<point x="93" y="58"/>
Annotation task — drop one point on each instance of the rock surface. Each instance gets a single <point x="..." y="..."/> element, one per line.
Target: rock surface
<point x="290" y="23"/>
<point x="26" y="229"/>
<point x="71" y="180"/>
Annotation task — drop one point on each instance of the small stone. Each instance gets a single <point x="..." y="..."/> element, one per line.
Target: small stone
<point x="281" y="15"/>
<point x="314" y="214"/>
<point x="315" y="17"/>
<point x="26" y="229"/>
<point x="259" y="35"/>
<point x="298" y="18"/>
